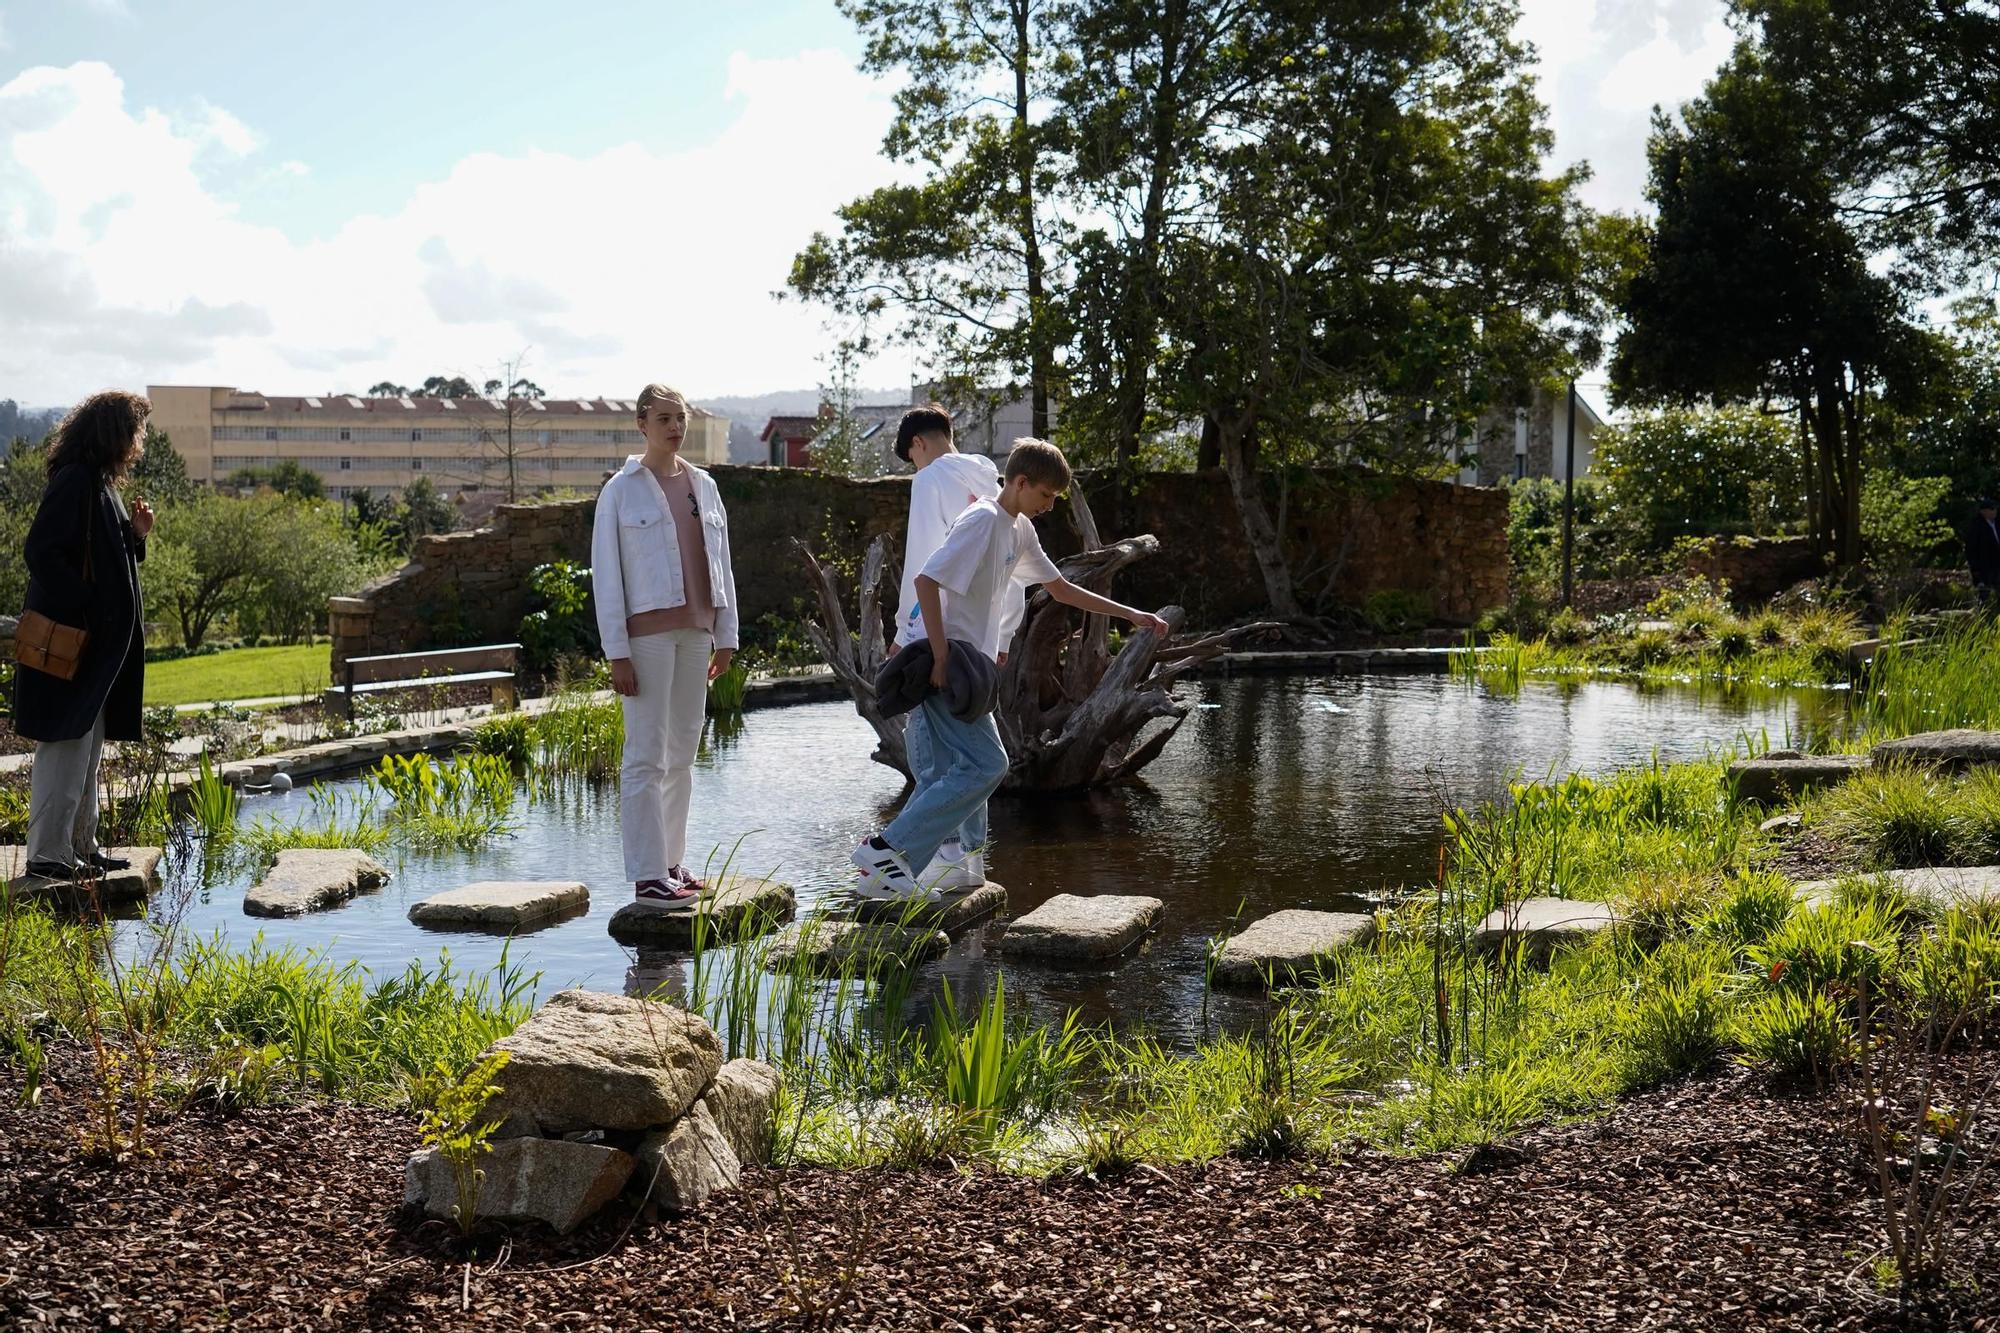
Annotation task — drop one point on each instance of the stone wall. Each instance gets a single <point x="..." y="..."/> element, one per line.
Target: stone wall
<point x="1444" y="543"/>
<point x="1757" y="568"/>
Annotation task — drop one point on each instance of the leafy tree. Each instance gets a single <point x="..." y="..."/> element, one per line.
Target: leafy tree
<point x="16" y="420"/>
<point x="1348" y="305"/>
<point x="311" y="560"/>
<point x="1684" y="472"/>
<point x="968" y="251"/>
<point x="1908" y="100"/>
<point x="448" y="386"/>
<point x="387" y="389"/>
<point x="204" y="557"/>
<point x="290" y="478"/>
<point x="1753" y="288"/>
<point x="161" y="473"/>
<point x="425" y="512"/>
<point x="1899" y="519"/>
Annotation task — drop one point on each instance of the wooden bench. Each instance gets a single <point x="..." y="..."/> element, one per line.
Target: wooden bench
<point x="496" y="663"/>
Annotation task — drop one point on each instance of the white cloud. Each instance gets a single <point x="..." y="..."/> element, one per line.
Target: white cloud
<point x="121" y="263"/>
<point x="1605" y="64"/>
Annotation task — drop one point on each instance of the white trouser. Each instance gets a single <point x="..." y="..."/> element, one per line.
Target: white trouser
<point x="62" y="797"/>
<point x="662" y="731"/>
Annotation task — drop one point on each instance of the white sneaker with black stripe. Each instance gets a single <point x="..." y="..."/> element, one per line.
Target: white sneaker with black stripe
<point x="884" y="872"/>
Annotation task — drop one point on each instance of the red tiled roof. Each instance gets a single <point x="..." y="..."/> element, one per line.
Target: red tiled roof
<point x="790" y="428"/>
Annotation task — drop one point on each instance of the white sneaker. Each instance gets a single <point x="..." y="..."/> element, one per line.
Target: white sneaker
<point x="884" y="872"/>
<point x="948" y="873"/>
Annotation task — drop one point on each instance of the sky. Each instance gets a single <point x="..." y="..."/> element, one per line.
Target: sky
<point x="311" y="197"/>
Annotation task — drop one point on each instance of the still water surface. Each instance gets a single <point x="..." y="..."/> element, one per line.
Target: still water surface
<point x="1313" y="792"/>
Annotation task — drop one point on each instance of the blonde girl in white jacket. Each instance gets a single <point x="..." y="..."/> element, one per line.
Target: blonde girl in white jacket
<point x="666" y="611"/>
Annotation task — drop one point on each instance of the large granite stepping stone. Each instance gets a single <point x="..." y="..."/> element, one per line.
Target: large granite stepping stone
<point x="526" y="1179"/>
<point x="1537" y="926"/>
<point x="1072" y="926"/>
<point x="738" y="908"/>
<point x="1289" y="945"/>
<point x="853" y="947"/>
<point x="593" y="1061"/>
<point x="120" y="886"/>
<point x="1953" y="751"/>
<point x="952" y="912"/>
<point x="501" y="904"/>
<point x="308" y="879"/>
<point x="1943" y="886"/>
<point x="1783" y="774"/>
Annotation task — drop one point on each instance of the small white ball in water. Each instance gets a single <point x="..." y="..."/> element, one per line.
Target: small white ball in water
<point x="281" y="782"/>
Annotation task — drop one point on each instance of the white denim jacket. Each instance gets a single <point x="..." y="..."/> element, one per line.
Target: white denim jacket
<point x="635" y="556"/>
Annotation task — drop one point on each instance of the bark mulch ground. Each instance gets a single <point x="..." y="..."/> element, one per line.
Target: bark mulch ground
<point x="1715" y="1204"/>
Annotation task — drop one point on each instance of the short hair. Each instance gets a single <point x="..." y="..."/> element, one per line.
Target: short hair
<point x="930" y="419"/>
<point x="654" y="394"/>
<point x="102" y="432"/>
<point x="1040" y="462"/>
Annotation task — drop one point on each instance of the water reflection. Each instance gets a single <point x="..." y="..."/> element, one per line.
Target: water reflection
<point x="1316" y="792"/>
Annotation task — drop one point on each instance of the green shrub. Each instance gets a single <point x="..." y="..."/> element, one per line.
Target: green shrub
<point x="1835" y="947"/>
<point x="1397" y="611"/>
<point x="1897" y="816"/>
<point x="1675" y="1027"/>
<point x="1567" y="629"/>
<point x="1749" y="911"/>
<point x="1796" y="1034"/>
<point x="559" y="624"/>
<point x="1953" y="971"/>
<point x="1769" y="629"/>
<point x="1734" y="640"/>
<point x="510" y="736"/>
<point x="1647" y="648"/>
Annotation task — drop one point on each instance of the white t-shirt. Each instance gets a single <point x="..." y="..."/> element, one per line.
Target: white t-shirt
<point x="986" y="561"/>
<point x="939" y="493"/>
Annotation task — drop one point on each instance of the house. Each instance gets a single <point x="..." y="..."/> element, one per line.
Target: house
<point x="986" y="421"/>
<point x="1531" y="440"/>
<point x="788" y="439"/>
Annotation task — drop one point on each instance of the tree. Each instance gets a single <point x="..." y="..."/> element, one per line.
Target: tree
<point x="425" y="512"/>
<point x="1753" y="288"/>
<point x="161" y="473"/>
<point x="837" y="446"/>
<point x="1340" y="305"/>
<point x="204" y="556"/>
<point x="448" y="386"/>
<point x="1686" y="472"/>
<point x="388" y="389"/>
<point x="966" y="254"/>
<point x="1908" y="99"/>
<point x="290" y="478"/>
<point x="507" y="444"/>
<point x="312" y="561"/>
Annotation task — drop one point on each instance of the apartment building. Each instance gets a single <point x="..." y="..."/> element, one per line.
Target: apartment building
<point x="384" y="444"/>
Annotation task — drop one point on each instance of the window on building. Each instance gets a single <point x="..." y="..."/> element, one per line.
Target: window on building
<point x="416" y="434"/>
<point x="270" y="432"/>
<point x="416" y="465"/>
<point x="346" y="434"/>
<point x="346" y="464"/>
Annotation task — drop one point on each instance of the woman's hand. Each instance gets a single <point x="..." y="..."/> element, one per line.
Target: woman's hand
<point x="624" y="680"/>
<point x="719" y="660"/>
<point x="142" y="519"/>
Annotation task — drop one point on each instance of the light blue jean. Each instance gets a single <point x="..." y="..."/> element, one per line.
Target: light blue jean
<point x="973" y="763"/>
<point x="927" y="767"/>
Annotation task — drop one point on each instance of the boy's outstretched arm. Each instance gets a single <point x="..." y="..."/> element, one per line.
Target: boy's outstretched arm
<point x="1085" y="600"/>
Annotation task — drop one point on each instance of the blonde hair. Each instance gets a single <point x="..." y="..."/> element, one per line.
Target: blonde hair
<point x="654" y="394"/>
<point x="1040" y="462"/>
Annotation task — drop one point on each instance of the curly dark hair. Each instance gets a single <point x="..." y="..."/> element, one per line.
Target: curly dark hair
<point x="102" y="431"/>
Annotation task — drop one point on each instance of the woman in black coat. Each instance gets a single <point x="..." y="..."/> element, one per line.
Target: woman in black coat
<point x="83" y="555"/>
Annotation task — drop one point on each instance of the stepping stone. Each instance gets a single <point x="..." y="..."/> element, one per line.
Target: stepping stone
<point x="1784" y="774"/>
<point x="526" y="1179"/>
<point x="740" y="908"/>
<point x="853" y="947"/>
<point x="1074" y="927"/>
<point x="502" y="905"/>
<point x="1943" y="886"/>
<point x="309" y="879"/>
<point x="953" y="912"/>
<point x="120" y="886"/>
<point x="1538" y="926"/>
<point x="1953" y="751"/>
<point x="1289" y="945"/>
<point x="1785" y="823"/>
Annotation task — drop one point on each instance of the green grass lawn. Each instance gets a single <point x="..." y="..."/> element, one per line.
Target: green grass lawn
<point x="238" y="673"/>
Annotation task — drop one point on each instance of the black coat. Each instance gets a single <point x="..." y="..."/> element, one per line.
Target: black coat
<point x="1982" y="552"/>
<point x="904" y="681"/>
<point x="79" y="507"/>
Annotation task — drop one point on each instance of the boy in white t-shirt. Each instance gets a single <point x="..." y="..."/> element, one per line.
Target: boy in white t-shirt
<point x="947" y="481"/>
<point x="963" y="591"/>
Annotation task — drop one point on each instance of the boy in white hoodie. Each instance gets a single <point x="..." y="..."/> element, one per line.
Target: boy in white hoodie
<point x="947" y="481"/>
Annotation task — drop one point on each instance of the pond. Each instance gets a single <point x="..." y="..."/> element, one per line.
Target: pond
<point x="1315" y="792"/>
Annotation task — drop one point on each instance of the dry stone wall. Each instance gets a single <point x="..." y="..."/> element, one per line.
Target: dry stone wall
<point x="1443" y="543"/>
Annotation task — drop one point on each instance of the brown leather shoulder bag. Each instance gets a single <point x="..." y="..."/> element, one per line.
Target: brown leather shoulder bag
<point x="47" y="645"/>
